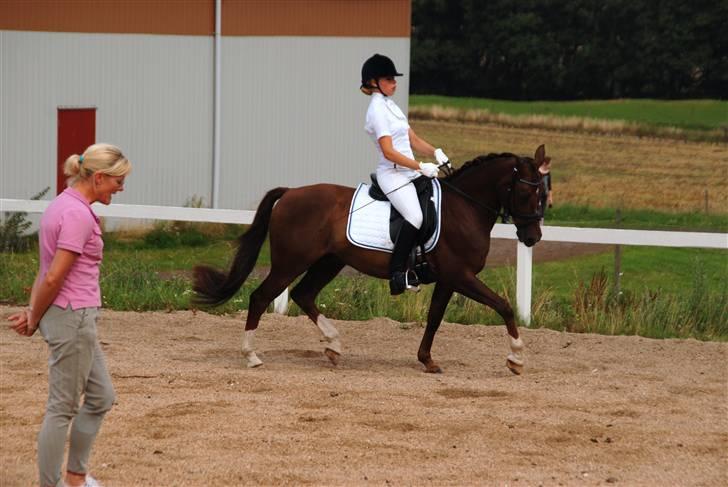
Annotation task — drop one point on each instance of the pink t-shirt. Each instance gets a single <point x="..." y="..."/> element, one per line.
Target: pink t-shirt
<point x="69" y="223"/>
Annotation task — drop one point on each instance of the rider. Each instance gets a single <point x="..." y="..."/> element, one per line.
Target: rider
<point x="394" y="140"/>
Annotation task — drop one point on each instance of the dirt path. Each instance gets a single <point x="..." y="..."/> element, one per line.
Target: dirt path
<point x="589" y="410"/>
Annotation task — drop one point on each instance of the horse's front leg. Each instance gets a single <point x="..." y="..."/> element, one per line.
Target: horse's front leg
<point x="440" y="297"/>
<point x="471" y="287"/>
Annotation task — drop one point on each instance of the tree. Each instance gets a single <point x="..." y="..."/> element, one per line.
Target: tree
<point x="570" y="49"/>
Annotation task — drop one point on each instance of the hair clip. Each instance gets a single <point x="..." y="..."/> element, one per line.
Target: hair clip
<point x="80" y="159"/>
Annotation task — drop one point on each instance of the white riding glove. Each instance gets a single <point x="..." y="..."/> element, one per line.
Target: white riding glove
<point x="429" y="169"/>
<point x="441" y="158"/>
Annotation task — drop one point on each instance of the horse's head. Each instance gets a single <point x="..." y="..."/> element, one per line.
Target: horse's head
<point x="522" y="197"/>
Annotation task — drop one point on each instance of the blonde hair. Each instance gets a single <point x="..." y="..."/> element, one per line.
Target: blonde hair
<point x="103" y="158"/>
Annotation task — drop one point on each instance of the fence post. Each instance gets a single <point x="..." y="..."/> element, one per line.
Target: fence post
<point x="280" y="304"/>
<point x="524" y="267"/>
<point x="618" y="259"/>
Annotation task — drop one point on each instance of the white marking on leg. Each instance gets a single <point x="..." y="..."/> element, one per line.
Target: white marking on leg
<point x="251" y="358"/>
<point x="516" y="349"/>
<point x="331" y="334"/>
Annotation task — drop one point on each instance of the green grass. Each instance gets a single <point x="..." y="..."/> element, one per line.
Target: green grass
<point x="666" y="292"/>
<point x="685" y="114"/>
<point x="587" y="216"/>
<point x="663" y="269"/>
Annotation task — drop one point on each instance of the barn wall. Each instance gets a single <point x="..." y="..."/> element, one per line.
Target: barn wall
<point x="291" y="111"/>
<point x="293" y="114"/>
<point x="152" y="95"/>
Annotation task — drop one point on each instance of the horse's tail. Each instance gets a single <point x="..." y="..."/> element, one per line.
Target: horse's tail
<point x="213" y="287"/>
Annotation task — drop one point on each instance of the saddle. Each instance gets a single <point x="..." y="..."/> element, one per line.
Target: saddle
<point x="416" y="262"/>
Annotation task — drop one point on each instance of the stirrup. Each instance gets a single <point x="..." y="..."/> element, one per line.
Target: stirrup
<point x="413" y="284"/>
<point x="401" y="282"/>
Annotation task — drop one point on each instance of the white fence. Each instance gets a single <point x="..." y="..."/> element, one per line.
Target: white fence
<point x="524" y="259"/>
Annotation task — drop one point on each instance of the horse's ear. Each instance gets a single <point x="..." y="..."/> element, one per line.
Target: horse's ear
<point x="540" y="155"/>
<point x="545" y="166"/>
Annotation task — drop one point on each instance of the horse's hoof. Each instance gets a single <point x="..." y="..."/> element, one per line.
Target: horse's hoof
<point x="333" y="356"/>
<point x="514" y="367"/>
<point x="433" y="369"/>
<point x="253" y="361"/>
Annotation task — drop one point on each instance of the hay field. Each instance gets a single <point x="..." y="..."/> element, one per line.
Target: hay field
<point x="603" y="170"/>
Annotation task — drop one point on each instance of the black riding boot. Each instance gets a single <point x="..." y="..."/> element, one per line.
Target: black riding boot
<point x="398" y="264"/>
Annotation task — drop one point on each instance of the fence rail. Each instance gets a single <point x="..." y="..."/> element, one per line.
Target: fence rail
<point x="524" y="255"/>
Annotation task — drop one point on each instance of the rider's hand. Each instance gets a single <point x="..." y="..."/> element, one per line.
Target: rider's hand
<point x="429" y="169"/>
<point x="440" y="157"/>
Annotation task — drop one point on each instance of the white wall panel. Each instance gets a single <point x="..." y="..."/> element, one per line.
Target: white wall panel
<point x="292" y="112"/>
<point x="153" y="96"/>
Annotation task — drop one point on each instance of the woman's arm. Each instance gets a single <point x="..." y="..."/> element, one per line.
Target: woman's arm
<point x="49" y="286"/>
<point x="45" y="290"/>
<point x="391" y="154"/>
<point x="420" y="145"/>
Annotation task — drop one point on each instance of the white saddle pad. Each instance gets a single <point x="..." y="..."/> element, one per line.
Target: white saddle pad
<point x="368" y="225"/>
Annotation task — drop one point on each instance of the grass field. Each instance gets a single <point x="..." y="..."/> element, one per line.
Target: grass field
<point x="603" y="171"/>
<point x="685" y="114"/>
<point x="669" y="292"/>
<point x="566" y="214"/>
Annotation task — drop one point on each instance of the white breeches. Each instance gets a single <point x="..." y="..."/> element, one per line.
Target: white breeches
<point x="403" y="199"/>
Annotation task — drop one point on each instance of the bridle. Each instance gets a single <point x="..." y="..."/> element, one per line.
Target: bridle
<point x="536" y="215"/>
<point x="506" y="211"/>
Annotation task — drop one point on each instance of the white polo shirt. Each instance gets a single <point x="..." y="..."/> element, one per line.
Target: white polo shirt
<point x="384" y="117"/>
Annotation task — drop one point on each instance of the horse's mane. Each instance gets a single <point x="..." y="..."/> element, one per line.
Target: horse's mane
<point x="477" y="162"/>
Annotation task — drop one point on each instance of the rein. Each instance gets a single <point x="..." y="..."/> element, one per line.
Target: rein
<point x="504" y="214"/>
<point x="457" y="190"/>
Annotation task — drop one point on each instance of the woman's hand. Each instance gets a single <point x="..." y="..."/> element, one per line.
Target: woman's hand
<point x="23" y="322"/>
<point x="441" y="157"/>
<point x="429" y="169"/>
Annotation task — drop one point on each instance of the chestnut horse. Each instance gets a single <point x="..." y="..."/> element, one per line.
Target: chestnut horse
<point x="308" y="234"/>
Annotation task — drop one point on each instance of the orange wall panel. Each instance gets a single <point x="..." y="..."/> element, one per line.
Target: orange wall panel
<point x="347" y="18"/>
<point x="188" y="17"/>
<point x="339" y="18"/>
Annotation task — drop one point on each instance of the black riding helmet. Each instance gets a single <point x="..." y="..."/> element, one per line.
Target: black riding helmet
<point x="377" y="66"/>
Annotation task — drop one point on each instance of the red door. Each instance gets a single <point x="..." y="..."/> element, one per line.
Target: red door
<point x="76" y="131"/>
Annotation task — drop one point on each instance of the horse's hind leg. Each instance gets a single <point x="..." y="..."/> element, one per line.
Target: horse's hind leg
<point x="305" y="292"/>
<point x="272" y="286"/>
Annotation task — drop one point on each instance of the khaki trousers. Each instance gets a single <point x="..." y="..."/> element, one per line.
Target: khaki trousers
<point x="76" y="368"/>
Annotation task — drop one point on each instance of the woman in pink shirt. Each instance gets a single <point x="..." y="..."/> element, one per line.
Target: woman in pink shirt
<point x="64" y="304"/>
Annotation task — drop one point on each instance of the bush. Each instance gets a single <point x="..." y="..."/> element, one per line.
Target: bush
<point x="12" y="230"/>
